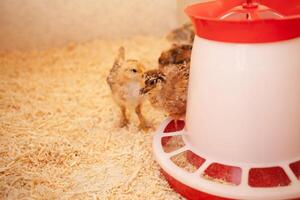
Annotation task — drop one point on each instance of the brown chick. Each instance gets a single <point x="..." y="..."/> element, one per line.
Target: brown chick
<point x="175" y="91"/>
<point x="176" y="55"/>
<point x="125" y="80"/>
<point x="169" y="91"/>
<point x="182" y="35"/>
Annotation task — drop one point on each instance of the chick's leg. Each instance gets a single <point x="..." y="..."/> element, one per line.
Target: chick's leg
<point x="124" y="121"/>
<point x="143" y="123"/>
<point x="176" y="123"/>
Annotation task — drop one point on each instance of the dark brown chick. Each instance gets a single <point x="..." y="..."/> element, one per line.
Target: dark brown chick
<point x="182" y="35"/>
<point x="170" y="92"/>
<point x="125" y="80"/>
<point x="176" y="55"/>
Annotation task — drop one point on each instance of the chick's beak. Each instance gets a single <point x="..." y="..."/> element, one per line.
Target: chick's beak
<point x="145" y="90"/>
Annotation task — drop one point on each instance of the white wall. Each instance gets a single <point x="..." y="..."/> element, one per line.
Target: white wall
<point x="30" y="24"/>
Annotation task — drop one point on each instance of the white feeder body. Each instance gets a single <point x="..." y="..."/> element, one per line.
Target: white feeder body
<point x="245" y="95"/>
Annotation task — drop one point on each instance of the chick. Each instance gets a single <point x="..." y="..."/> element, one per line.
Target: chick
<point x="168" y="91"/>
<point x="175" y="91"/>
<point x="182" y="35"/>
<point x="177" y="54"/>
<point x="125" y="80"/>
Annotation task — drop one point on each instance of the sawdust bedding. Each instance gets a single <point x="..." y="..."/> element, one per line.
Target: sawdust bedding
<point x="58" y="126"/>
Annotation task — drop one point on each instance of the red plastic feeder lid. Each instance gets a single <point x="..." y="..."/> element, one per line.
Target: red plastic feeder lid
<point x="246" y="21"/>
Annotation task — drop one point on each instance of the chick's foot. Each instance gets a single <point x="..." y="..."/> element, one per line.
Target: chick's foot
<point x="146" y="127"/>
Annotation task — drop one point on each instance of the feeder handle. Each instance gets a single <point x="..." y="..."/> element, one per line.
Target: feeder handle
<point x="249" y="2"/>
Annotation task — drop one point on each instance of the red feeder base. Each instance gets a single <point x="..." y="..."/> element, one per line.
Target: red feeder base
<point x="185" y="158"/>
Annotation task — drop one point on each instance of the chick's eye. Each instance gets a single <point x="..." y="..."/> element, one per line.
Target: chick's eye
<point x="134" y="70"/>
<point x="152" y="82"/>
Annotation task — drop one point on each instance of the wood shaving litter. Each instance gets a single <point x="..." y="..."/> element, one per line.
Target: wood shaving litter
<point x="58" y="134"/>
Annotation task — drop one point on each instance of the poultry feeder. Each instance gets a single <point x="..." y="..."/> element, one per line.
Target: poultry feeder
<point x="241" y="137"/>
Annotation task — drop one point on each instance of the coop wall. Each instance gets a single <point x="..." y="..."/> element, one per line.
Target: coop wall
<point x="40" y="24"/>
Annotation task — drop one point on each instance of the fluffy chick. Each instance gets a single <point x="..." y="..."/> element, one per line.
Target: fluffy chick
<point x="182" y="35"/>
<point x="168" y="91"/>
<point x="175" y="56"/>
<point x="175" y="91"/>
<point x="125" y="80"/>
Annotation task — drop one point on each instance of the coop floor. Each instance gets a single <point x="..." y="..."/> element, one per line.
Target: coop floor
<point x="58" y="126"/>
